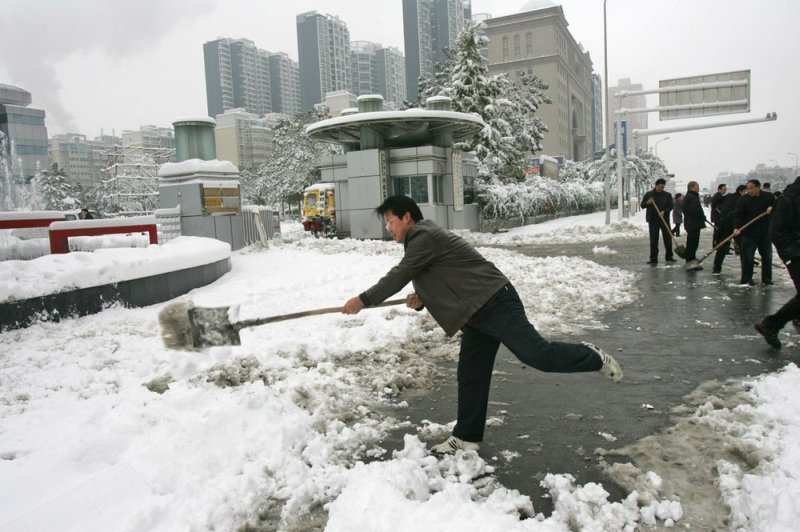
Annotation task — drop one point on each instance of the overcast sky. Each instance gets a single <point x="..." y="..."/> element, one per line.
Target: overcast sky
<point x="115" y="65"/>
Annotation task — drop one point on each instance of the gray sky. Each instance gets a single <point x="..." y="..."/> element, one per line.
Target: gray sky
<point x="116" y="64"/>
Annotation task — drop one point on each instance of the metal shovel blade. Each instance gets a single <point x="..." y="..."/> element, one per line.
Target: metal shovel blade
<point x="212" y="327"/>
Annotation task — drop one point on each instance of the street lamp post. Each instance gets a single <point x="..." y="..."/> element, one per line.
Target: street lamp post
<point x="795" y="162"/>
<point x="655" y="146"/>
<point x="607" y="180"/>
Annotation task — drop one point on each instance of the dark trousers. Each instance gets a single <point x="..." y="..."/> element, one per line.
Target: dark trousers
<point x="722" y="252"/>
<point x="657" y="228"/>
<point x="791" y="309"/>
<point x="692" y="243"/>
<point x="677" y="229"/>
<point x="502" y="320"/>
<point x="747" y="255"/>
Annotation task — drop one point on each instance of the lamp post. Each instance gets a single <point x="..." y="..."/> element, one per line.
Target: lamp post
<point x="795" y="162"/>
<point x="607" y="180"/>
<point x="655" y="146"/>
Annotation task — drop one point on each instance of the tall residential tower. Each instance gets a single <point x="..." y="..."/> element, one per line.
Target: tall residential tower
<point x="323" y="45"/>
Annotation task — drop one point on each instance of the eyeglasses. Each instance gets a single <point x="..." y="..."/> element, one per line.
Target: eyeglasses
<point x="389" y="223"/>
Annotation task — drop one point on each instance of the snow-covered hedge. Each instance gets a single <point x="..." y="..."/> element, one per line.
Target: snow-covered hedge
<point x="537" y="195"/>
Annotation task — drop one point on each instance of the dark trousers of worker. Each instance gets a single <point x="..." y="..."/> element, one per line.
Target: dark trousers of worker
<point x="791" y="309"/>
<point x="656" y="229"/>
<point x="692" y="243"/>
<point x="722" y="252"/>
<point x="502" y="320"/>
<point x="749" y="245"/>
<point x="677" y="229"/>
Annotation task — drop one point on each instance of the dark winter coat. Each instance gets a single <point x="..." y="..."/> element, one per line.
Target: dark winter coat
<point x="694" y="217"/>
<point x="677" y="214"/>
<point x="663" y="200"/>
<point x="747" y="208"/>
<point x="715" y="207"/>
<point x="726" y="210"/>
<point x="785" y="228"/>
<point x="449" y="275"/>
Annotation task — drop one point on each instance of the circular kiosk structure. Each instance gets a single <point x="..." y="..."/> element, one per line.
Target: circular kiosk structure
<point x="400" y="152"/>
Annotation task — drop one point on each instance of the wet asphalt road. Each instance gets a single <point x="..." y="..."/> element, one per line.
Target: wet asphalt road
<point x="687" y="328"/>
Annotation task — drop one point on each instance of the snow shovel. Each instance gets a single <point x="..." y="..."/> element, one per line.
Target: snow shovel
<point x="184" y="326"/>
<point x="680" y="249"/>
<point x="729" y="237"/>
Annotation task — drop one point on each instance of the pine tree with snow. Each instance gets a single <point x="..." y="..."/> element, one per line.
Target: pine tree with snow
<point x="54" y="190"/>
<point x="292" y="165"/>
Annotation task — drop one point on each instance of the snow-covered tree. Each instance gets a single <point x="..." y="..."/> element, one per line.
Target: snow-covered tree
<point x="292" y="165"/>
<point x="55" y="192"/>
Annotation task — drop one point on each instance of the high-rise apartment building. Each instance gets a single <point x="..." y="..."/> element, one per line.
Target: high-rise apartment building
<point x="391" y="76"/>
<point x="23" y="127"/>
<point x="378" y="70"/>
<point x="323" y="45"/>
<point x="634" y="121"/>
<point x="150" y="141"/>
<point x="539" y="43"/>
<point x="237" y="75"/>
<point x="429" y="27"/>
<point x="284" y="73"/>
<point x="242" y="138"/>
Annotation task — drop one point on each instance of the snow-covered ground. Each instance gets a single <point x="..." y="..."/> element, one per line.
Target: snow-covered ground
<point x="102" y="428"/>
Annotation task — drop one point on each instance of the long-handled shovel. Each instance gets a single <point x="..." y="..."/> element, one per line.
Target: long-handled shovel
<point x="184" y="326"/>
<point x="680" y="249"/>
<point x="729" y="237"/>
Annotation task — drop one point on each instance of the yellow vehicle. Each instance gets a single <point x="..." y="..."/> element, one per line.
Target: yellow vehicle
<point x="319" y="210"/>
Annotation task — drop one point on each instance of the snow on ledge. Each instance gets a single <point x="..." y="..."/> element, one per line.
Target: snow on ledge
<point x="197" y="166"/>
<point x="50" y="274"/>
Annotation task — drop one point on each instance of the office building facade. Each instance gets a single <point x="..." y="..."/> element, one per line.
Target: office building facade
<point x="24" y="129"/>
<point x="538" y="42"/>
<point x="378" y="70"/>
<point x="323" y="45"/>
<point x="81" y="160"/>
<point x="242" y="138"/>
<point x="634" y="121"/>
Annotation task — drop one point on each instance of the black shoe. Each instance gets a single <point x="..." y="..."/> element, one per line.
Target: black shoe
<point x="745" y="281"/>
<point x="716" y="271"/>
<point x="770" y="335"/>
<point x="671" y="260"/>
<point x="768" y="283"/>
<point x="652" y="262"/>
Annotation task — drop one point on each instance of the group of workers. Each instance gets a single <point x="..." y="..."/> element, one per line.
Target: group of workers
<point x="752" y="217"/>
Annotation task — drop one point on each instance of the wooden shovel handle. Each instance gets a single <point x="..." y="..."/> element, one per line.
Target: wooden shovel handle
<point x="727" y="239"/>
<point x="315" y="312"/>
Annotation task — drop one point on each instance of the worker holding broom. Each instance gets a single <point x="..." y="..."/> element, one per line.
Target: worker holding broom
<point x="785" y="233"/>
<point x="463" y="291"/>
<point x="694" y="220"/>
<point x="658" y="203"/>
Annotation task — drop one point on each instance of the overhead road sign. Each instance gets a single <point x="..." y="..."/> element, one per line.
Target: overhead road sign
<point x="707" y="95"/>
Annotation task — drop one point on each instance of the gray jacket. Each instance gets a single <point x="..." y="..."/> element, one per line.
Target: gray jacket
<point x="449" y="275"/>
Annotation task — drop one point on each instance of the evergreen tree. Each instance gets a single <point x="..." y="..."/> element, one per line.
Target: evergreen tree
<point x="292" y="166"/>
<point x="54" y="190"/>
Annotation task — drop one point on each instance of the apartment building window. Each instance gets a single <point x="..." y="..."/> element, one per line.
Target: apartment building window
<point x="529" y="45"/>
<point x="505" y="48"/>
<point x="516" y="47"/>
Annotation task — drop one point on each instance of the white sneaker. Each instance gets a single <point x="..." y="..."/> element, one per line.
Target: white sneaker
<point x="453" y="444"/>
<point x="611" y="368"/>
